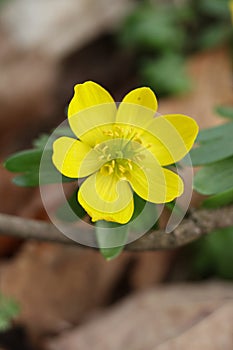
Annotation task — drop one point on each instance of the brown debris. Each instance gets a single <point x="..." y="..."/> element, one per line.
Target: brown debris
<point x="172" y="317"/>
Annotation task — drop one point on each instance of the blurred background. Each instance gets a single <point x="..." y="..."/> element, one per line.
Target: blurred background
<point x="58" y="297"/>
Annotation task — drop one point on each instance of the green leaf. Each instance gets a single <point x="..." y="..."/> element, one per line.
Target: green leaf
<point x="27" y="180"/>
<point x="34" y="179"/>
<point x="111" y="238"/>
<point x="28" y="162"/>
<point x="219" y="200"/>
<point x="215" y="178"/>
<point x="71" y="210"/>
<point x="225" y="111"/>
<point x="214" y="150"/>
<point x="24" y="161"/>
<point x="214" y="133"/>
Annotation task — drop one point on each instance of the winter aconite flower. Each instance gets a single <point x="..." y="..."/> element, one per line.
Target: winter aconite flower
<point x="122" y="150"/>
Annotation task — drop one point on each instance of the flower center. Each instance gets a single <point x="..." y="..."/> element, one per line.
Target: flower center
<point x="124" y="147"/>
<point x="121" y="167"/>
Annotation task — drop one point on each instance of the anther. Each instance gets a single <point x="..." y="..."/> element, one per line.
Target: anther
<point x="130" y="165"/>
<point x="110" y="170"/>
<point x="122" y="169"/>
<point x="108" y="132"/>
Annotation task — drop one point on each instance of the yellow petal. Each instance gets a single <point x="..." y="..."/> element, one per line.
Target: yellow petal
<point x="170" y="137"/>
<point x="74" y="158"/>
<point x="155" y="184"/>
<point x="90" y="108"/>
<point x="137" y="107"/>
<point x="121" y="217"/>
<point x="87" y="95"/>
<point x="106" y="198"/>
<point x="143" y="96"/>
<point x="90" y="125"/>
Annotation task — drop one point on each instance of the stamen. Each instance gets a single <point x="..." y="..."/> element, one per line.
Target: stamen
<point x="120" y="156"/>
<point x="130" y="164"/>
<point x="119" y="128"/>
<point x="108" y="132"/>
<point x="122" y="168"/>
<point x="110" y="170"/>
<point x="107" y="169"/>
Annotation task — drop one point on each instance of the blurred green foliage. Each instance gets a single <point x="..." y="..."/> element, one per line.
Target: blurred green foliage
<point x="32" y="174"/>
<point x="9" y="309"/>
<point x="214" y="8"/>
<point x="212" y="255"/>
<point x="169" y="73"/>
<point x="215" y="154"/>
<point x="162" y="35"/>
<point x="28" y="163"/>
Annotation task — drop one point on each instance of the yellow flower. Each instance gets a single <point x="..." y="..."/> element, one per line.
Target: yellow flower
<point x="122" y="150"/>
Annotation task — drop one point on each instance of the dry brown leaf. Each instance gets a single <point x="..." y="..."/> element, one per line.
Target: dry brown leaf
<point x="175" y="317"/>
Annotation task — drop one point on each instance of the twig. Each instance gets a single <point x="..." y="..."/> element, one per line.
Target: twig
<point x="199" y="223"/>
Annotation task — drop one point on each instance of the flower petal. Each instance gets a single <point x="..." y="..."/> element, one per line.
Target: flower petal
<point x="73" y="158"/>
<point x="92" y="106"/>
<point x="91" y="125"/>
<point x="143" y="96"/>
<point x="121" y="217"/>
<point x="87" y="95"/>
<point x="106" y="198"/>
<point x="137" y="107"/>
<point x="170" y="137"/>
<point x="155" y="184"/>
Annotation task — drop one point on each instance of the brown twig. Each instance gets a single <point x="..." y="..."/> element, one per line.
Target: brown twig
<point x="199" y="223"/>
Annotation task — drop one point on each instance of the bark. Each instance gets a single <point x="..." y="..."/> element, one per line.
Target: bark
<point x="198" y="223"/>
